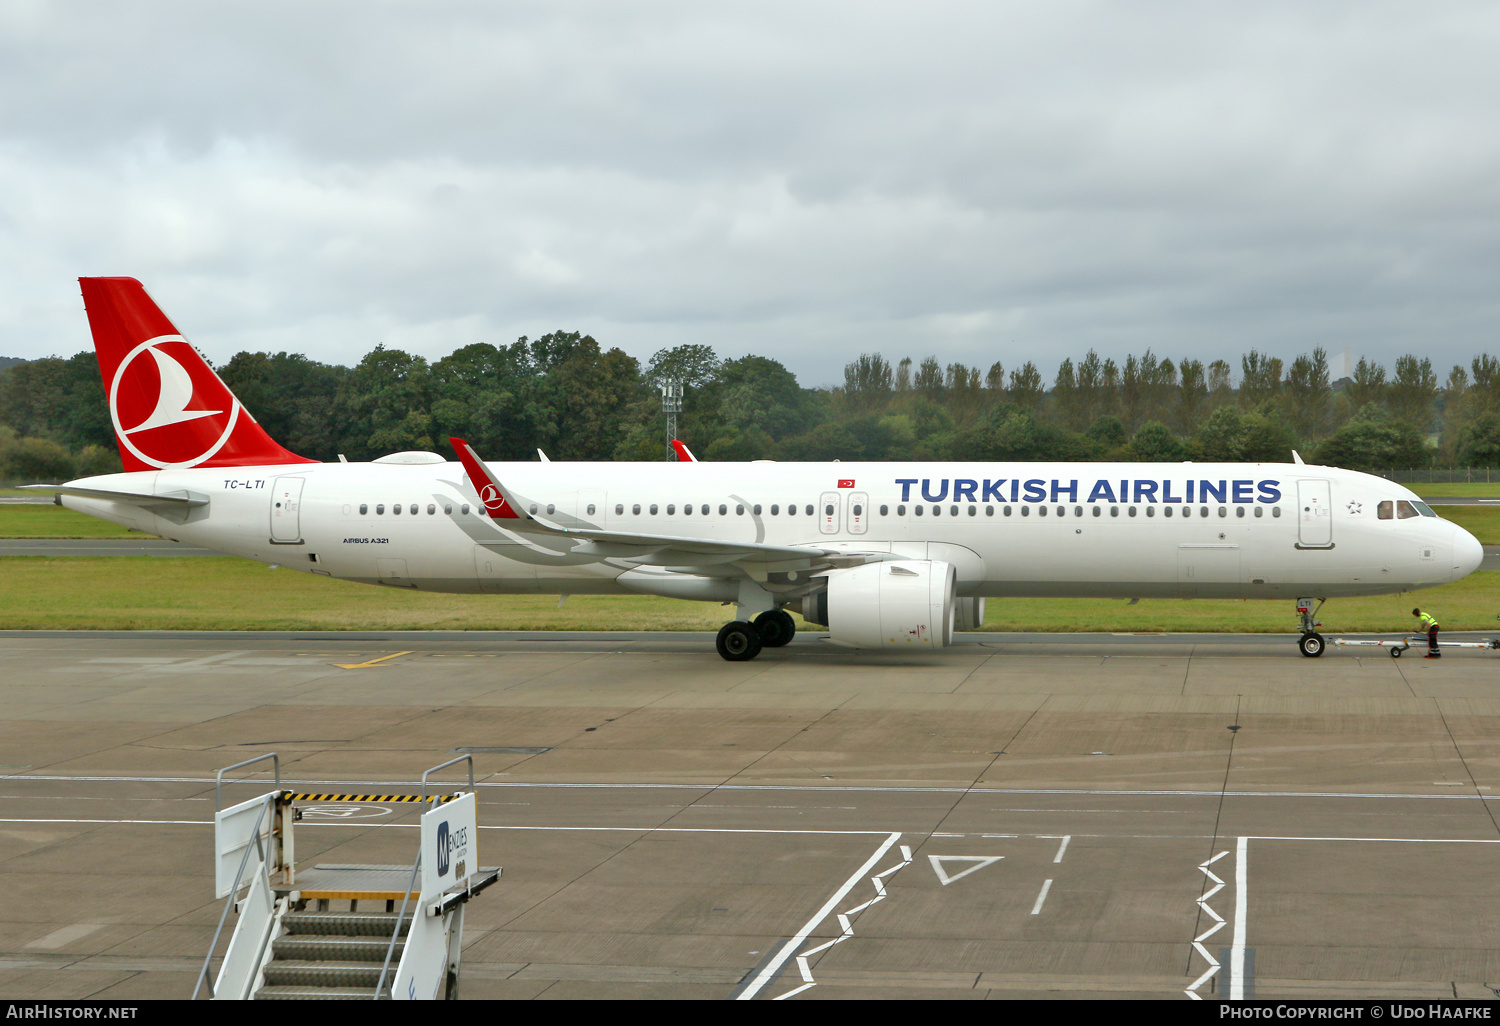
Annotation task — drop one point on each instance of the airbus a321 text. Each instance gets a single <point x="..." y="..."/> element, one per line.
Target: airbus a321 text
<point x="892" y="556"/>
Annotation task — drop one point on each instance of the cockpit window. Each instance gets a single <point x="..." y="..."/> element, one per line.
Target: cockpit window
<point x="1405" y="510"/>
<point x="1385" y="509"/>
<point x="1424" y="509"/>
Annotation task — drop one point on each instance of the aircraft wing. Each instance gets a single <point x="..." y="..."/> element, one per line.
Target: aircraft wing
<point x="167" y="500"/>
<point x="564" y="534"/>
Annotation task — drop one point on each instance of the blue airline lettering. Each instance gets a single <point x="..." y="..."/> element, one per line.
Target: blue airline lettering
<point x="992" y="490"/>
<point x="1036" y="490"/>
<point x="964" y="489"/>
<point x="1190" y="490"/>
<point x="1071" y="490"/>
<point x="1242" y="491"/>
<point x="1103" y="491"/>
<point x="1211" y="489"/>
<point x="1145" y="491"/>
<point x="1166" y="492"/>
<point x="1269" y="492"/>
<point x="906" y="483"/>
<point x="940" y="496"/>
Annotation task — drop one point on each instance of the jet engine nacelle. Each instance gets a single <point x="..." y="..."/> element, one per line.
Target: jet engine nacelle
<point x="897" y="604"/>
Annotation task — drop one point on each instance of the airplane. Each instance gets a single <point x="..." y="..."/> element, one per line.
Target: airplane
<point x="885" y="556"/>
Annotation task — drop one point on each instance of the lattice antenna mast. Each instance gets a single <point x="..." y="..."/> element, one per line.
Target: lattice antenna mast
<point x="671" y="405"/>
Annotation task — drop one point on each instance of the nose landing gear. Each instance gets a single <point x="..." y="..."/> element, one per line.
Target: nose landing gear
<point x="1311" y="643"/>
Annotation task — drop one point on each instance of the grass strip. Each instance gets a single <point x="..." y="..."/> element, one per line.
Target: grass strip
<point x="144" y="593"/>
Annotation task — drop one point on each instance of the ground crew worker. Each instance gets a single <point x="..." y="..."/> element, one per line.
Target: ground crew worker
<point x="1431" y="627"/>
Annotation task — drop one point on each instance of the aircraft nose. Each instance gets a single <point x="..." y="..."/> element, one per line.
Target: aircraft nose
<point x="1467" y="553"/>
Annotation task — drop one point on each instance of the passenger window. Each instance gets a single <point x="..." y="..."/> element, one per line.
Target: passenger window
<point x="396" y="509"/>
<point x="973" y="511"/>
<point x="1025" y="511"/>
<point x="1150" y="511"/>
<point x="671" y="508"/>
<point x="775" y="509"/>
<point x="431" y="509"/>
<point x="900" y="511"/>
<point x="551" y="509"/>
<point x="885" y="511"/>
<point x="380" y="509"/>
<point x="1132" y="511"/>
<point x="917" y="510"/>
<point x="937" y="511"/>
<point x="364" y="508"/>
<point x="464" y="509"/>
<point x="1114" y="511"/>
<point x="755" y="509"/>
<point x="1260" y="511"/>
<point x="989" y="511"/>
<point x="1203" y="511"/>
<point x="533" y="509"/>
<point x="635" y="509"/>
<point x="1078" y="511"/>
<point x="809" y="509"/>
<point x="1062" y="511"/>
<point x="653" y="509"/>
<point x="1041" y="511"/>
<point x="791" y="509"/>
<point x="620" y="509"/>
<point x="1166" y="511"/>
<point x="1275" y="511"/>
<point x="447" y="509"/>
<point x="1098" y="512"/>
<point x="1187" y="511"/>
<point x="412" y="509"/>
<point x="1007" y="511"/>
<point x="739" y="510"/>
<point x="687" y="509"/>
<point x="1223" y="511"/>
<point x="723" y="510"/>
<point x="1405" y="510"/>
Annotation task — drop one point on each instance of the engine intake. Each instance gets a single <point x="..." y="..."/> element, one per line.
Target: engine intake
<point x="895" y="604"/>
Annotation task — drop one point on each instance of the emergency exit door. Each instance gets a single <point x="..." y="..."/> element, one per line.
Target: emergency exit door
<point x="1314" y="515"/>
<point x="286" y="506"/>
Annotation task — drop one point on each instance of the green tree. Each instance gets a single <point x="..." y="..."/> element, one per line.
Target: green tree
<point x="1155" y="443"/>
<point x="1026" y="390"/>
<point x="1370" y="446"/>
<point x="1260" y="379"/>
<point x="1306" y="394"/>
<point x="1412" y="392"/>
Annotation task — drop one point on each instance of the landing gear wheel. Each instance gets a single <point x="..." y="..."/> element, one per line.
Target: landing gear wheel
<point x="738" y="641"/>
<point x="1312" y="644"/>
<point x="776" y="627"/>
<point x="1395" y="653"/>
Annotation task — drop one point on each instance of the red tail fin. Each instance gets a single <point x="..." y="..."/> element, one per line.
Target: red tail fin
<point x="169" y="408"/>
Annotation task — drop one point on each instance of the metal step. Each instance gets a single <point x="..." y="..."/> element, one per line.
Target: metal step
<point x="337" y="974"/>
<point x="315" y="993"/>
<point x="303" y="948"/>
<point x="345" y="924"/>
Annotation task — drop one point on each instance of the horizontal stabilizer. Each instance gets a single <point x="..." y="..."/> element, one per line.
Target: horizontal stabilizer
<point x="172" y="500"/>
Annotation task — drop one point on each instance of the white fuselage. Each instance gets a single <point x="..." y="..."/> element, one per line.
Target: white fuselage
<point x="1010" y="529"/>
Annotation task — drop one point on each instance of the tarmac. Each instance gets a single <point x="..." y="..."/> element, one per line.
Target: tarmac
<point x="1014" y="817"/>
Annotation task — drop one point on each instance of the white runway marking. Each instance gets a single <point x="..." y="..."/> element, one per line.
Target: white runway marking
<point x="943" y="875"/>
<point x="1061" y="848"/>
<point x="1213" y="963"/>
<point x="66" y="935"/>
<point x="1237" y="950"/>
<point x="773" y="967"/>
<point x="1036" y="909"/>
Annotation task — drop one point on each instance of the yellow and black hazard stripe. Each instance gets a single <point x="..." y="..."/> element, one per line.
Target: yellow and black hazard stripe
<point x="437" y="799"/>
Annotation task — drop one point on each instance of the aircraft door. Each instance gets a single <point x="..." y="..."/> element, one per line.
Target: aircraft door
<point x="828" y="512"/>
<point x="286" y="505"/>
<point x="859" y="512"/>
<point x="1314" y="515"/>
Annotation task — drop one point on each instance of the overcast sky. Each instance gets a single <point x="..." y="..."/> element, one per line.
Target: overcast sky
<point x="806" y="181"/>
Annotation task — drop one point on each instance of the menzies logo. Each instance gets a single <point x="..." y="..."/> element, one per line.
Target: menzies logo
<point x="168" y="408"/>
<point x="444" y="848"/>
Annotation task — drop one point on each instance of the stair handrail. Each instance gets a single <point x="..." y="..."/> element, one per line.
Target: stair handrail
<point x="219" y="778"/>
<point x="445" y="765"/>
<point x="234" y="891"/>
<point x="391" y="948"/>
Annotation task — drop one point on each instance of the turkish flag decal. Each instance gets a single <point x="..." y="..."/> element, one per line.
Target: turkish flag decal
<point x="846" y="482"/>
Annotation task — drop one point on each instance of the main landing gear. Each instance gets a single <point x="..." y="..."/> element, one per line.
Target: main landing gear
<point x="1311" y="643"/>
<point x="739" y="641"/>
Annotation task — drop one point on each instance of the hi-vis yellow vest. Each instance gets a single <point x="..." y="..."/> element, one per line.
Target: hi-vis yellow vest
<point x="1428" y="623"/>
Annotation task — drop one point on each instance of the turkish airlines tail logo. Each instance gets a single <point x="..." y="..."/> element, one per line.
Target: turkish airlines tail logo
<point x="169" y="408"/>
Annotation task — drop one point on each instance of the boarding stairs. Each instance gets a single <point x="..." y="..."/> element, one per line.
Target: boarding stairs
<point x="401" y="932"/>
